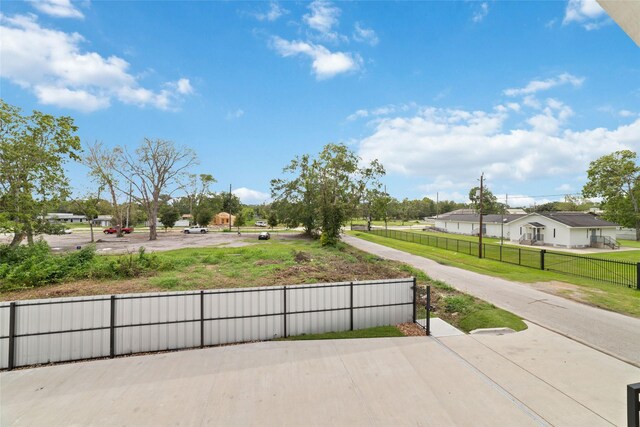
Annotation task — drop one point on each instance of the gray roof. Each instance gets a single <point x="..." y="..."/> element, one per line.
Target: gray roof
<point x="577" y="219"/>
<point x="488" y="218"/>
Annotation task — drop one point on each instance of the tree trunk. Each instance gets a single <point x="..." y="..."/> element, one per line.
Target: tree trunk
<point x="638" y="230"/>
<point x="153" y="227"/>
<point x="91" y="227"/>
<point x="17" y="238"/>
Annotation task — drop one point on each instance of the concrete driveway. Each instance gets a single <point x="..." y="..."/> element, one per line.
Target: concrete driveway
<point x="531" y="378"/>
<point x="612" y="333"/>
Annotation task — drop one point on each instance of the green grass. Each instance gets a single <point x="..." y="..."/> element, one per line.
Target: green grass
<point x="629" y="243"/>
<point x="492" y="316"/>
<point x="377" y="332"/>
<point x="612" y="297"/>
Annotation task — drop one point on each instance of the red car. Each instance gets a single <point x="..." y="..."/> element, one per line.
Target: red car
<point x="111" y="230"/>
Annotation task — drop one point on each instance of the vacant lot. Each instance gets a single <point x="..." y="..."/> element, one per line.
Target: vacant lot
<point x="243" y="261"/>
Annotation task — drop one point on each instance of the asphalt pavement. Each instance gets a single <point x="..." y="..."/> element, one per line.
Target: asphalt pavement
<point x="611" y="333"/>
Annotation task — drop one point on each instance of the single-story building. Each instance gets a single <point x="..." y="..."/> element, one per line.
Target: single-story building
<point x="223" y="219"/>
<point x="469" y="223"/>
<point x="564" y="229"/>
<point x="65" y="217"/>
<point x="103" y="220"/>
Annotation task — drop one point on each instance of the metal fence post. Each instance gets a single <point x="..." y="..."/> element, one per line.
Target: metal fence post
<point x="351" y="306"/>
<point x="428" y="321"/>
<point x="12" y="335"/>
<point x="284" y="310"/>
<point x="201" y="319"/>
<point x="415" y="301"/>
<point x="633" y="405"/>
<point x="542" y="252"/>
<point x="638" y="276"/>
<point x="112" y="328"/>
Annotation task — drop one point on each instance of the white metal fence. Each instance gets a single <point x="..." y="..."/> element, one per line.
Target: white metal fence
<point x="65" y="329"/>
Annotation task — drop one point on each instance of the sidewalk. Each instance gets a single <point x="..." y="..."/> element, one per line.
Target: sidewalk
<point x="609" y="332"/>
<point x="531" y="378"/>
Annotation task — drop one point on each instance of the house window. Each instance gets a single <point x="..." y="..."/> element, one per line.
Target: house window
<point x="554" y="233"/>
<point x="521" y="231"/>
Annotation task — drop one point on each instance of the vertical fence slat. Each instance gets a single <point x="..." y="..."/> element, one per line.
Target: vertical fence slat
<point x="284" y="310"/>
<point x="12" y="335"/>
<point x="112" y="327"/>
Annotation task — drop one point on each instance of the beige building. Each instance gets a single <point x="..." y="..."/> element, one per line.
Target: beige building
<point x="223" y="219"/>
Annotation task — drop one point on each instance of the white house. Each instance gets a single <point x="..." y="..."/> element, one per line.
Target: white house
<point x="563" y="229"/>
<point x="65" y="217"/>
<point x="103" y="220"/>
<point x="461" y="222"/>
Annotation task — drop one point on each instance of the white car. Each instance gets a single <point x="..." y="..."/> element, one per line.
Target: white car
<point x="261" y="223"/>
<point x="195" y="229"/>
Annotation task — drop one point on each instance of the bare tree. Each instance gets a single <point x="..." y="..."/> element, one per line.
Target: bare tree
<point x="157" y="167"/>
<point x="104" y="167"/>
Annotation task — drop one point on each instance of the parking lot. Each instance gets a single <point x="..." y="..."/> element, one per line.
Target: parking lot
<point x="175" y="239"/>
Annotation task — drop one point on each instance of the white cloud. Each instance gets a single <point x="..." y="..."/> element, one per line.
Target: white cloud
<point x="585" y="12"/>
<point x="275" y="11"/>
<point x="626" y="113"/>
<point x="249" y="196"/>
<point x="232" y="115"/>
<point x="381" y="111"/>
<point x="365" y="35"/>
<point x="52" y="65"/>
<point x="450" y="148"/>
<point x="325" y="64"/>
<point x="323" y="17"/>
<point x="540" y="85"/>
<point x="57" y="8"/>
<point x="481" y="12"/>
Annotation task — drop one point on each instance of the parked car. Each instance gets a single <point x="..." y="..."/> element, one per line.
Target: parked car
<point x="261" y="223"/>
<point x="264" y="236"/>
<point x="68" y="231"/>
<point x="195" y="229"/>
<point x="112" y="230"/>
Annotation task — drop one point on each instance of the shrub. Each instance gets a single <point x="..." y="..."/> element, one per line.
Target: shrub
<point x="36" y="265"/>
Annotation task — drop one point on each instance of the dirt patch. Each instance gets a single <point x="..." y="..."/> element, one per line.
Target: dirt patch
<point x="411" y="329"/>
<point x="567" y="290"/>
<point x="267" y="262"/>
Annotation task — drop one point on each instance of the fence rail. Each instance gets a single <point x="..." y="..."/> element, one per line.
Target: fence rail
<point x="615" y="272"/>
<point x="66" y="329"/>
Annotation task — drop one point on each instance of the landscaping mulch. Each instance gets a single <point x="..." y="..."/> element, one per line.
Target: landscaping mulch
<point x="411" y="329"/>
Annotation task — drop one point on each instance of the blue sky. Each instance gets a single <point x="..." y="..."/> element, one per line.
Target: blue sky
<point x="527" y="92"/>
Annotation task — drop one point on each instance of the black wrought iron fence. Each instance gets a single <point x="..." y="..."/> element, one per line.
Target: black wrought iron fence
<point x="625" y="273"/>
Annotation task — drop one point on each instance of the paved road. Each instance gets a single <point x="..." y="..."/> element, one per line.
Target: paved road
<point x="609" y="332"/>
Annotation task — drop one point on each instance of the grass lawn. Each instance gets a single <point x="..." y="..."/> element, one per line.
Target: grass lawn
<point x="287" y="261"/>
<point x="611" y="297"/>
<point x="629" y="243"/>
<point x="377" y="332"/>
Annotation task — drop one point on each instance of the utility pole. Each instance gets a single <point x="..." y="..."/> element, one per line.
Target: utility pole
<point x="437" y="202"/>
<point x="230" y="207"/>
<point x="480" y="232"/>
<point x="506" y="205"/>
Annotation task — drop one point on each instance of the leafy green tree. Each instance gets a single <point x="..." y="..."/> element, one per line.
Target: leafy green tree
<point x="323" y="193"/>
<point x="204" y="217"/>
<point x="198" y="188"/>
<point x="272" y="219"/>
<point x="241" y="220"/>
<point x="490" y="204"/>
<point x="89" y="207"/>
<point x="616" y="179"/>
<point x="33" y="150"/>
<point x="169" y="216"/>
